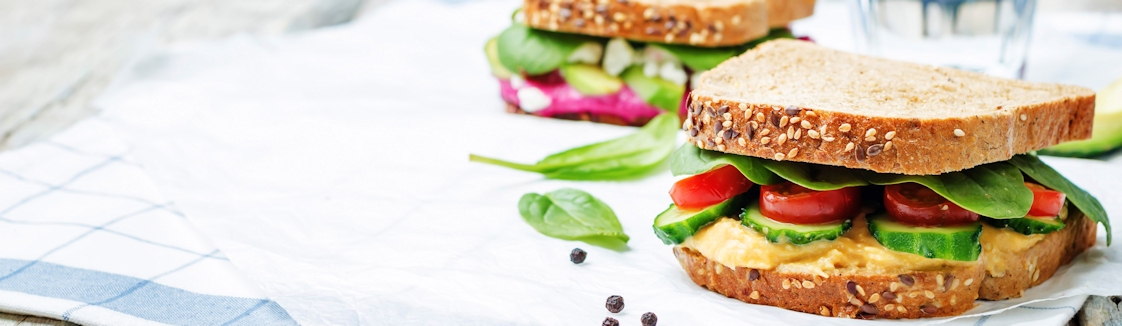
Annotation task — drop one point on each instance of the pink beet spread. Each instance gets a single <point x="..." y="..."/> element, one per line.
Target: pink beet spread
<point x="565" y="99"/>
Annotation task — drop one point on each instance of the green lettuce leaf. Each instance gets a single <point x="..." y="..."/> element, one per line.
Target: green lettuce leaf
<point x="995" y="190"/>
<point x="690" y="159"/>
<point x="534" y="51"/>
<point x="1045" y="175"/>
<point x="703" y="58"/>
<point x="816" y="176"/>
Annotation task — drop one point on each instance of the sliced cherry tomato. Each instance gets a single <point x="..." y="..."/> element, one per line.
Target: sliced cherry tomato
<point x="709" y="188"/>
<point x="791" y="203"/>
<point x="1045" y="202"/>
<point x="914" y="204"/>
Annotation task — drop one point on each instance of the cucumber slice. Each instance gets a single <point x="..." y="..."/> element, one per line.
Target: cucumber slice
<point x="779" y="232"/>
<point x="674" y="225"/>
<point x="492" y="50"/>
<point x="1029" y="225"/>
<point x="950" y="242"/>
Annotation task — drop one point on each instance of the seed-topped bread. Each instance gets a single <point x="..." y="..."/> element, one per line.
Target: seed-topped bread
<point x="794" y="100"/>
<point x="694" y="22"/>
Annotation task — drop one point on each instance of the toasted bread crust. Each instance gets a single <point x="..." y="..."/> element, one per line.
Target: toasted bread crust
<point x="1039" y="262"/>
<point x="879" y="139"/>
<point x="720" y="23"/>
<point x="952" y="296"/>
<point x="830" y="297"/>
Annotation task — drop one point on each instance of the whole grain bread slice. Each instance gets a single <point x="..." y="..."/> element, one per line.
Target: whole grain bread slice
<point x="695" y="22"/>
<point x="794" y="100"/>
<point x="947" y="292"/>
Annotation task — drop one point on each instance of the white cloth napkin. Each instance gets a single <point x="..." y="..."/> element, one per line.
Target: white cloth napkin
<point x="332" y="169"/>
<point x="86" y="237"/>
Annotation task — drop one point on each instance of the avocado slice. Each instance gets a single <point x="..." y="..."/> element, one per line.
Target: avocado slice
<point x="655" y="91"/>
<point x="1107" y="129"/>
<point x="590" y="80"/>
<point x="492" y="50"/>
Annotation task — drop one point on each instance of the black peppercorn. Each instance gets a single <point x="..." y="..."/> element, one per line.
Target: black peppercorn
<point x="649" y="319"/>
<point x="610" y="322"/>
<point x="614" y="304"/>
<point x="577" y="256"/>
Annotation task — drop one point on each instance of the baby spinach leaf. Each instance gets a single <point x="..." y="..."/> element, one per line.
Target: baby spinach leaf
<point x="690" y="159"/>
<point x="570" y="214"/>
<point x="703" y="58"/>
<point x="816" y="176"/>
<point x="534" y="51"/>
<point x="1045" y="175"/>
<point x="630" y="156"/>
<point x="995" y="190"/>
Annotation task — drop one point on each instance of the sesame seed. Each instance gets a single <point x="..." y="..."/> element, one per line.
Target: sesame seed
<point x="829" y="139"/>
<point x="790" y="132"/>
<point x="708" y="119"/>
<point x="647" y="13"/>
<point x="783" y="121"/>
<point x="870" y="139"/>
<point x="939" y="279"/>
<point x="699" y="144"/>
<point x="893" y="286"/>
<point x="779" y="157"/>
<point x="765" y="132"/>
<point x="901" y="309"/>
<point x="912" y="294"/>
<point x="955" y="284"/>
<point x="742" y="106"/>
<point x="812" y="133"/>
<point x="968" y="282"/>
<point x="874" y="298"/>
<point x="796" y="284"/>
<point x="1035" y="275"/>
<point x="929" y="294"/>
<point x="720" y="147"/>
<point x="844" y="127"/>
<point x="760" y="117"/>
<point x="798" y="133"/>
<point x="824" y="311"/>
<point x="856" y="302"/>
<point x="754" y="295"/>
<point x="727" y="123"/>
<point x="953" y="300"/>
<point x="889" y="307"/>
<point x="810" y="113"/>
<point x="795" y="120"/>
<point x="807" y="125"/>
<point x="619" y="16"/>
<point x="887" y="146"/>
<point x="959" y="133"/>
<point x="754" y="124"/>
<point x="1024" y="117"/>
<point x="719" y="139"/>
<point x="741" y="141"/>
<point x="808" y="284"/>
<point x="786" y="283"/>
<point x="860" y="290"/>
<point x="889" y="135"/>
<point x="669" y="37"/>
<point x="727" y="116"/>
<point x="765" y="140"/>
<point x="793" y="152"/>
<point x="848" y="147"/>
<point x="871" y="132"/>
<point x="782" y="139"/>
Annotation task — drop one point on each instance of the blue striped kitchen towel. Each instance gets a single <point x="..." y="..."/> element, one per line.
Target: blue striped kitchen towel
<point x="86" y="237"/>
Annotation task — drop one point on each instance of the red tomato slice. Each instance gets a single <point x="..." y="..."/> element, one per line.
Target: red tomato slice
<point x="914" y="204"/>
<point x="1045" y="202"/>
<point x="791" y="203"/>
<point x="709" y="188"/>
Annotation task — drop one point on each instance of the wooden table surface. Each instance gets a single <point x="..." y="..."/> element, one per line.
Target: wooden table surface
<point x="71" y="50"/>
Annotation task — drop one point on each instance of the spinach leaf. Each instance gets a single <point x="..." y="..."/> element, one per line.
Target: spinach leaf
<point x="816" y="176"/>
<point x="995" y="190"/>
<point x="1045" y="175"/>
<point x="627" y="157"/>
<point x="690" y="159"/>
<point x="536" y="52"/>
<point x="571" y="214"/>
<point x="702" y="58"/>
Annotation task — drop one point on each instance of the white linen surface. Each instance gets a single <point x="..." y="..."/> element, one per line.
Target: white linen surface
<point x="331" y="168"/>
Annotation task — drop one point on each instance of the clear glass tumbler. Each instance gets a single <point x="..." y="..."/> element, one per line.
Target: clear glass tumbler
<point x="987" y="36"/>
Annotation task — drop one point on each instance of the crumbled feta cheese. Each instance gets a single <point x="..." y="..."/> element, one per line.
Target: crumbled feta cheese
<point x="618" y="55"/>
<point x="531" y="99"/>
<point x="516" y="81"/>
<point x="673" y="72"/>
<point x="587" y="53"/>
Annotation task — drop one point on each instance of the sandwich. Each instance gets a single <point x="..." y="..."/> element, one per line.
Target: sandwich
<point x="849" y="186"/>
<point x="624" y="61"/>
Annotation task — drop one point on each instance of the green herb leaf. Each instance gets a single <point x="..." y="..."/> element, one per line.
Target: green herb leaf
<point x="816" y="176"/>
<point x="1045" y="175"/>
<point x="536" y="52"/>
<point x="655" y="91"/>
<point x="995" y="190"/>
<point x="690" y="159"/>
<point x="702" y="58"/>
<point x="631" y="156"/>
<point x="571" y="214"/>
